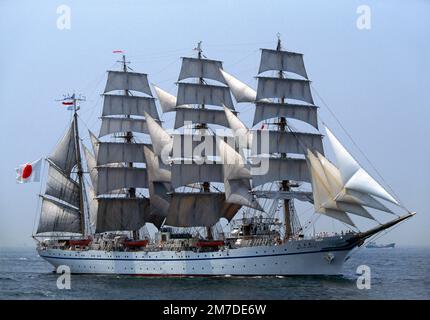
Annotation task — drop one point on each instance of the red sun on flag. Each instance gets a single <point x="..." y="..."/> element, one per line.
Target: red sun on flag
<point x="26" y="172"/>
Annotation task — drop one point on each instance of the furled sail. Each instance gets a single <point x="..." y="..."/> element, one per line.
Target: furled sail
<point x="282" y="60"/>
<point x="269" y="87"/>
<point x="353" y="176"/>
<point x="268" y="110"/>
<point x="58" y="217"/>
<point x="201" y="68"/>
<point x="116" y="125"/>
<point x="120" y="80"/>
<point x="129" y="105"/>
<point x="199" y="209"/>
<point x="62" y="187"/>
<point x="193" y="93"/>
<point x="64" y="154"/>
<point x="240" y="91"/>
<point x="286" y="142"/>
<point x="167" y="100"/>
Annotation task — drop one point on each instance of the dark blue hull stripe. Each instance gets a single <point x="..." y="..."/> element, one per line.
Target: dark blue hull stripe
<point x="344" y="248"/>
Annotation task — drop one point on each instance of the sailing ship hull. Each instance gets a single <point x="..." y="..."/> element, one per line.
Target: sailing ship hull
<point x="303" y="257"/>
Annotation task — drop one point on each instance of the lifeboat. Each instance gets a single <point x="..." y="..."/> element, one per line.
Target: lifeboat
<point x="205" y="244"/>
<point x="135" y="243"/>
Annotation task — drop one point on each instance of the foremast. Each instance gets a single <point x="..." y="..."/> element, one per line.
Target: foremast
<point x="63" y="202"/>
<point x="79" y="171"/>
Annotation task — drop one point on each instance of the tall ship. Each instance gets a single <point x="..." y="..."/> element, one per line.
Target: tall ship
<point x="210" y="196"/>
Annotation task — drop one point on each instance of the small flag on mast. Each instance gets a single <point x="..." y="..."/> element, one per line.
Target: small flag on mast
<point x="29" y="172"/>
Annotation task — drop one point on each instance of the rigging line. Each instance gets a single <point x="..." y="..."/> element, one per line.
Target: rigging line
<point x="98" y="78"/>
<point x="241" y="59"/>
<point x="359" y="149"/>
<point x="167" y="66"/>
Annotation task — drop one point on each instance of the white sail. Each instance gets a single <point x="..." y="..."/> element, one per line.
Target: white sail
<point x="93" y="205"/>
<point x="162" y="142"/>
<point x="284" y="88"/>
<point x="116" y="125"/>
<point x="167" y="100"/>
<point x="122" y="214"/>
<point x="279" y="169"/>
<point x="129" y="105"/>
<point x="157" y="171"/>
<point x="194" y="146"/>
<point x="237" y="176"/>
<point x="94" y="142"/>
<point x="114" y="178"/>
<point x="193" y="93"/>
<point x="120" y="80"/>
<point x="269" y="110"/>
<point x="349" y="196"/>
<point x="241" y="92"/>
<point x="184" y="174"/>
<point x="199" y="209"/>
<point x="159" y="177"/>
<point x="64" y="154"/>
<point x="275" y="60"/>
<point x="114" y="152"/>
<point x="62" y="187"/>
<point x="193" y="115"/>
<point x="58" y="217"/>
<point x="328" y="194"/>
<point x="201" y="68"/>
<point x="285" y="142"/>
<point x="91" y="166"/>
<point x="239" y="129"/>
<point x="353" y="176"/>
<point x="323" y="200"/>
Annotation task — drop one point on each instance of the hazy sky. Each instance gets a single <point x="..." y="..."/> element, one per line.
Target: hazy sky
<point x="376" y="81"/>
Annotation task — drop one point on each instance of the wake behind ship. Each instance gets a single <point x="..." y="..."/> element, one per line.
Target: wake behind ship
<point x="188" y="184"/>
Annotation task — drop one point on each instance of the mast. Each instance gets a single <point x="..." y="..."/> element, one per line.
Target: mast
<point x="116" y="176"/>
<point x="203" y="127"/>
<point x="79" y="164"/>
<point x="285" y="184"/>
<point x="128" y="138"/>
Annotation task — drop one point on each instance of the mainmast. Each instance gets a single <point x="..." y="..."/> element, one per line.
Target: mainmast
<point x="117" y="167"/>
<point x="285" y="184"/>
<point x="128" y="138"/>
<point x="79" y="163"/>
<point x="202" y="128"/>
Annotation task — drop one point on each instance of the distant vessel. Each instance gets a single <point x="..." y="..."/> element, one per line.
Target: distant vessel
<point x="138" y="176"/>
<point x="373" y="245"/>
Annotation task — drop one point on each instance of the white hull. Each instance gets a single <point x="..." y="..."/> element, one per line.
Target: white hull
<point x="304" y="257"/>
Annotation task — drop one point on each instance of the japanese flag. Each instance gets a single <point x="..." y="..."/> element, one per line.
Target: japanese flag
<point x="29" y="172"/>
